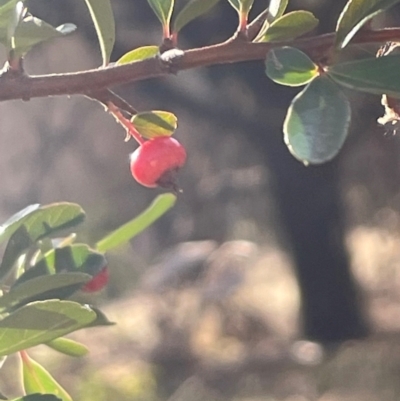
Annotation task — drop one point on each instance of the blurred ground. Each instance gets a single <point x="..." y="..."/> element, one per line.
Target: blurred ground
<point x="211" y="322"/>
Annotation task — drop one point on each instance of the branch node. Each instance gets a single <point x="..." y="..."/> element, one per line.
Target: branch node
<point x="171" y="59"/>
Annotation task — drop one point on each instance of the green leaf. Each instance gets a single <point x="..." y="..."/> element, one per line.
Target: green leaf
<point x="18" y="243"/>
<point x="163" y="10"/>
<point x="9" y="18"/>
<point x="235" y="4"/>
<point x="41" y="288"/>
<point x="129" y="230"/>
<point x="241" y="6"/>
<point x="38" y="380"/>
<point x="41" y="322"/>
<point x="372" y="75"/>
<point x="154" y="123"/>
<point x="192" y="10"/>
<point x="30" y="31"/>
<point x="103" y="20"/>
<point x="41" y="221"/>
<point x="289" y="26"/>
<point x="68" y="347"/>
<point x="38" y="397"/>
<point x="73" y="258"/>
<point x="138" y="54"/>
<point x="290" y="66"/>
<point x="317" y="122"/>
<point x="101" y="319"/>
<point x="355" y="14"/>
<point x="276" y="9"/>
<point x="14" y="221"/>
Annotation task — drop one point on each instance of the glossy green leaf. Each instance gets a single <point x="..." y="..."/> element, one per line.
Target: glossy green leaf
<point x="276" y="9"/>
<point x="123" y="234"/>
<point x="41" y="221"/>
<point x="138" y="54"/>
<point x="192" y="10"/>
<point x="290" y="66"/>
<point x="37" y="379"/>
<point x="103" y="20"/>
<point x="355" y="14"/>
<point x="163" y="10"/>
<point x="154" y="123"/>
<point x="31" y="31"/>
<point x="68" y="347"/>
<point x="289" y="26"/>
<point x="18" y="243"/>
<point x="317" y="122"/>
<point x="40" y="288"/>
<point x="37" y="397"/>
<point x="40" y="322"/>
<point x="372" y="75"/>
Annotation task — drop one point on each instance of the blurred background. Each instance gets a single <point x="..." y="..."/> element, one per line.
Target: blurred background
<point x="268" y="280"/>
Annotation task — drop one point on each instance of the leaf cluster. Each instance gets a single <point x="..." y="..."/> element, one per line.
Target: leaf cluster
<point x="42" y="268"/>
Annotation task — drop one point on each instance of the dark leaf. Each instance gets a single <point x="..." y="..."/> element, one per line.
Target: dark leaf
<point x="317" y="122"/>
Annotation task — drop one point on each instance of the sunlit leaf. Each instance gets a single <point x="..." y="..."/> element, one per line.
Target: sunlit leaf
<point x="123" y="234"/>
<point x="68" y="347"/>
<point x="9" y="18"/>
<point x="154" y="123"/>
<point x="289" y="26"/>
<point x="138" y="54"/>
<point x="103" y="20"/>
<point x="41" y="221"/>
<point x="37" y="379"/>
<point x="40" y="322"/>
<point x="192" y="10"/>
<point x="276" y="8"/>
<point x="58" y="286"/>
<point x="355" y="14"/>
<point x="290" y="66"/>
<point x="373" y="75"/>
<point x="18" y="243"/>
<point x="31" y="30"/>
<point x="317" y="122"/>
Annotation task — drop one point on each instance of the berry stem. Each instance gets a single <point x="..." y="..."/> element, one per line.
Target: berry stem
<point x="130" y="128"/>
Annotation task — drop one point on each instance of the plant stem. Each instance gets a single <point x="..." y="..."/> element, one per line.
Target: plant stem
<point x="129" y="127"/>
<point x="86" y="82"/>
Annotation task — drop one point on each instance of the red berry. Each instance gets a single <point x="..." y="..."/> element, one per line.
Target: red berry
<point x="98" y="281"/>
<point x="156" y="161"/>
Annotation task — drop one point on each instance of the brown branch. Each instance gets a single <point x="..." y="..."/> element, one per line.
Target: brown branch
<point x="233" y="51"/>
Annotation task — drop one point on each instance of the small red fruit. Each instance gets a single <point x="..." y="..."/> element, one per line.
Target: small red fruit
<point x="98" y="281"/>
<point x="156" y="161"/>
